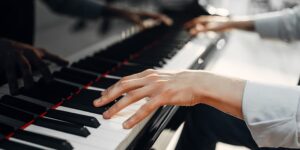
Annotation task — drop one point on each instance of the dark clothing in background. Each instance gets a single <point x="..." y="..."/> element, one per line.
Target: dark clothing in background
<point x="17" y="18"/>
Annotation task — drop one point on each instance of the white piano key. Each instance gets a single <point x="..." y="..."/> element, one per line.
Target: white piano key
<point x="30" y="144"/>
<point x="90" y="142"/>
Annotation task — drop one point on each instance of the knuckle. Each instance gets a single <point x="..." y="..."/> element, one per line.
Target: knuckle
<point x="124" y="78"/>
<point x="150" y="71"/>
<point x="159" y="84"/>
<point x="153" y="77"/>
<point x="123" y="84"/>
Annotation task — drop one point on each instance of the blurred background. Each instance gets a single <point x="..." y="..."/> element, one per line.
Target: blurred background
<point x="65" y="35"/>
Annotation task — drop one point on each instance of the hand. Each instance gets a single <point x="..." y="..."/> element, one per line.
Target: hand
<point x="186" y="88"/>
<point x="15" y="55"/>
<point x="161" y="87"/>
<point x="138" y="17"/>
<point x="217" y="24"/>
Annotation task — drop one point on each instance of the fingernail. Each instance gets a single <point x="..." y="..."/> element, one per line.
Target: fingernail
<point x="97" y="101"/>
<point x="105" y="115"/>
<point x="125" y="125"/>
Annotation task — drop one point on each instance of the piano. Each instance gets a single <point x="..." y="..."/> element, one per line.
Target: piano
<point x="60" y="115"/>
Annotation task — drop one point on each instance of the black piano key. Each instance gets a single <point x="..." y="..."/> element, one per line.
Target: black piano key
<point x="126" y="70"/>
<point x="99" y="62"/>
<point x="53" y="92"/>
<point x="6" y="129"/>
<point x="79" y="73"/>
<point x="73" y="118"/>
<point x="105" y="61"/>
<point x="66" y="127"/>
<point x="71" y="78"/>
<point x="89" y="67"/>
<point x="10" y="124"/>
<point x="23" y="105"/>
<point x="104" y="83"/>
<point x="84" y="101"/>
<point x="11" y="145"/>
<point x="74" y="76"/>
<point x="43" y="140"/>
<point x="15" y="114"/>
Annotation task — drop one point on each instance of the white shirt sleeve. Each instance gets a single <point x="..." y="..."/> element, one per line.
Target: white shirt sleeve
<point x="272" y="114"/>
<point x="284" y="25"/>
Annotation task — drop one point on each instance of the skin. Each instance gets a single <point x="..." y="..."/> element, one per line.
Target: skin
<point x="218" y="24"/>
<point x="137" y="17"/>
<point x="181" y="88"/>
<point x="19" y="56"/>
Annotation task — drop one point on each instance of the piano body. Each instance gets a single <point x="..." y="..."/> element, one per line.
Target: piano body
<point x="60" y="115"/>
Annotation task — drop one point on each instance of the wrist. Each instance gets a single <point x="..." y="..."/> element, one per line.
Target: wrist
<point x="223" y="93"/>
<point x="243" y="23"/>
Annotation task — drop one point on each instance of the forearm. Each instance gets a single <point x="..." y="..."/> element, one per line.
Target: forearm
<point x="221" y="92"/>
<point x="243" y="23"/>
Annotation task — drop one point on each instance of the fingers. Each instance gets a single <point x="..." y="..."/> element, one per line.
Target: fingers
<point x="39" y="64"/>
<point x="142" y="113"/>
<point x="136" y="19"/>
<point x="139" y="75"/>
<point x="54" y="58"/>
<point x="163" y="18"/>
<point x="11" y="73"/>
<point x="25" y="68"/>
<point x="118" y="89"/>
<point x="130" y="98"/>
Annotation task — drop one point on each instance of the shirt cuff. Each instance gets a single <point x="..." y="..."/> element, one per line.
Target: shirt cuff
<point x="271" y="113"/>
<point x="268" y="25"/>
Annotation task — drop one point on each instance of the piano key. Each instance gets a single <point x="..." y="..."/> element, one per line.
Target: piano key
<point x="74" y="76"/>
<point x="89" y="67"/>
<point x="11" y="123"/>
<point x="109" y="129"/>
<point x="84" y="101"/>
<point x="43" y="140"/>
<point x="66" y="127"/>
<point x="73" y="118"/>
<point x="89" y="142"/>
<point x="79" y="73"/>
<point x="125" y="71"/>
<point x="9" y="145"/>
<point x="104" y="83"/>
<point x="15" y="114"/>
<point x="6" y="129"/>
<point x="23" y="105"/>
<point x="44" y="92"/>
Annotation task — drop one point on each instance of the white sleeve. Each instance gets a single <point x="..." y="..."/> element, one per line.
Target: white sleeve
<point x="272" y="114"/>
<point x="283" y="25"/>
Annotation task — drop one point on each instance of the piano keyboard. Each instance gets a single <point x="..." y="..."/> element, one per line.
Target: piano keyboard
<point x="60" y="115"/>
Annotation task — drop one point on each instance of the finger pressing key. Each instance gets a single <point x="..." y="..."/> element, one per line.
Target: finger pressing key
<point x="130" y="98"/>
<point x="141" y="114"/>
